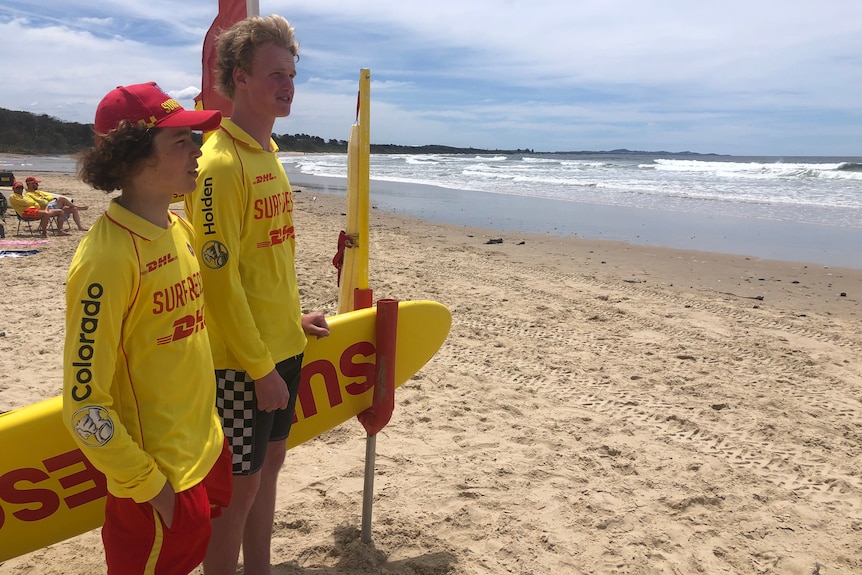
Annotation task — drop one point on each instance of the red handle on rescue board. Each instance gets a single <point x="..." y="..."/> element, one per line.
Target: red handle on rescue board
<point x="378" y="415"/>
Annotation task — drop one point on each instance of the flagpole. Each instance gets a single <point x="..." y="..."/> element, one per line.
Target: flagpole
<point x="363" y="293"/>
<point x="252" y="7"/>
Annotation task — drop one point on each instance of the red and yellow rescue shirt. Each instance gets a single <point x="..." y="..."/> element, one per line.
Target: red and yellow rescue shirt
<point x="138" y="386"/>
<point x="40" y="197"/>
<point x="242" y="214"/>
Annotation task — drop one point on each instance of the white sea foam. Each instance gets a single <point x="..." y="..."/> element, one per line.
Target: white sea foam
<point x="813" y="190"/>
<point x="804" y="209"/>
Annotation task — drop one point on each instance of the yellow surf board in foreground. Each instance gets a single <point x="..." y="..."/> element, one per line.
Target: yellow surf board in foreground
<point x="50" y="492"/>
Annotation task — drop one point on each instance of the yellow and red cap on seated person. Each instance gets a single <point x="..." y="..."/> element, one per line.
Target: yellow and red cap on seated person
<point x="31" y="179"/>
<point x="17" y="185"/>
<point x="150" y="106"/>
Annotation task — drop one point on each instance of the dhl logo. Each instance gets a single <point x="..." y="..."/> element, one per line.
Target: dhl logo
<point x="161" y="261"/>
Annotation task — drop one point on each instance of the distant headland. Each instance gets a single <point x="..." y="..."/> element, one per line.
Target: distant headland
<point x="28" y="133"/>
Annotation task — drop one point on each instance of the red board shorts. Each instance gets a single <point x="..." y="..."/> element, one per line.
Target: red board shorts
<point x="137" y="541"/>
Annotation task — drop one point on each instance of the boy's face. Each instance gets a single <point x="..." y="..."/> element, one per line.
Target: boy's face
<point x="270" y="84"/>
<point x="174" y="165"/>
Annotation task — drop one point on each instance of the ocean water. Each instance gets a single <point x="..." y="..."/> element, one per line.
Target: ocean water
<point x="803" y="209"/>
<point x="806" y="209"/>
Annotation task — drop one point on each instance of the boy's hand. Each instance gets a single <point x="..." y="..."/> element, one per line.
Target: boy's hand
<point x="163" y="503"/>
<point x="315" y="324"/>
<point x="271" y="392"/>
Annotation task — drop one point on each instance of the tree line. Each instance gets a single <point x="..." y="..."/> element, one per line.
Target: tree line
<point x="27" y="133"/>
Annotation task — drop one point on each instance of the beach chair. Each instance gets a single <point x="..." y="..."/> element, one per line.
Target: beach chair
<point x="4" y="205"/>
<point x="30" y="222"/>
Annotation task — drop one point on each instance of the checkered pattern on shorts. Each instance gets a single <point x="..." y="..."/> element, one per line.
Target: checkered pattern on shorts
<point x="235" y="403"/>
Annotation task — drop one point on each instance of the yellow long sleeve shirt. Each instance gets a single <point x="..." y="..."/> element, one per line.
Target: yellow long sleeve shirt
<point x="21" y="202"/>
<point x="242" y="214"/>
<point x="40" y="197"/>
<point x="138" y="386"/>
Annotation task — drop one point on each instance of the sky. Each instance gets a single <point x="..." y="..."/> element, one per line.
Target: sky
<point x="753" y="77"/>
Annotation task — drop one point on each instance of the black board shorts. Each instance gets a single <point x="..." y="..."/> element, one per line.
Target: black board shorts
<point x="248" y="429"/>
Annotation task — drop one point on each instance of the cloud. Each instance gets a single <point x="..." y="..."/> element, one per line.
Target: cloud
<point x="739" y="77"/>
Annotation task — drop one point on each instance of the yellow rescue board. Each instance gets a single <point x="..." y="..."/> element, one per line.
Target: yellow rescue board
<point x="50" y="492"/>
<point x="354" y="270"/>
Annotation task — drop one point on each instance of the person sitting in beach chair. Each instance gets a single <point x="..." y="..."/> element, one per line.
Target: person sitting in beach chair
<point x="28" y="209"/>
<point x="52" y="201"/>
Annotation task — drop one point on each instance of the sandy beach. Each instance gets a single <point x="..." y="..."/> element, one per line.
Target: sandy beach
<point x="598" y="407"/>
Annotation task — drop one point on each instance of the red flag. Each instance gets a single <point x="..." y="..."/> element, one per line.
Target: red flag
<point x="229" y="12"/>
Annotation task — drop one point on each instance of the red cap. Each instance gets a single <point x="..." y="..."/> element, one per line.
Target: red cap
<point x="17" y="185"/>
<point x="149" y="105"/>
<point x="32" y="179"/>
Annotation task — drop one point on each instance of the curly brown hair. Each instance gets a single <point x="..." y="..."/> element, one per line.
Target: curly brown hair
<point x="236" y="46"/>
<point x="116" y="156"/>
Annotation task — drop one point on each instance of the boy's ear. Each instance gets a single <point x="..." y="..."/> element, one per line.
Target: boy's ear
<point x="240" y="77"/>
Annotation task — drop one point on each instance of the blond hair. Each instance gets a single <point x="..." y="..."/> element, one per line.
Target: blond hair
<point x="237" y="46"/>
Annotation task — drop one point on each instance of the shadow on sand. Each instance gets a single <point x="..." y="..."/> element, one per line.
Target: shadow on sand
<point x="353" y="557"/>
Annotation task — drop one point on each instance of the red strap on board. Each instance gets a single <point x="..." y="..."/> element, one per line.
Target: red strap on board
<point x="378" y="415"/>
<point x="345" y="241"/>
